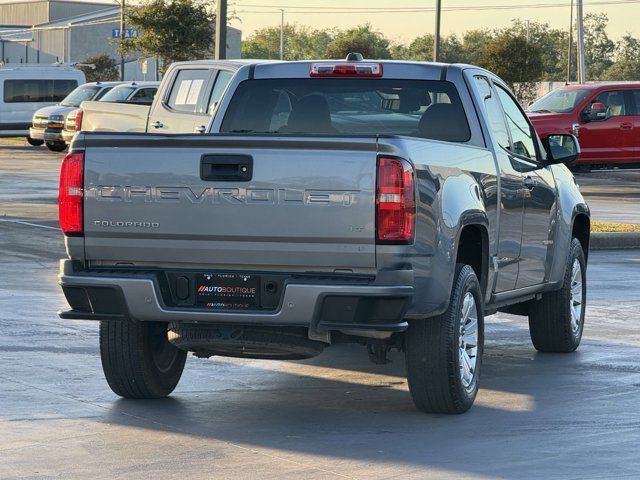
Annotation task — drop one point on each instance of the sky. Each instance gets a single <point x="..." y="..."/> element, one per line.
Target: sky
<point x="403" y="26"/>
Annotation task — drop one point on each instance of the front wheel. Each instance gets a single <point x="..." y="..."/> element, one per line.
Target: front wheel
<point x="444" y="353"/>
<point x="556" y="321"/>
<point x="57" y="146"/>
<point x="34" y="142"/>
<point x="138" y="360"/>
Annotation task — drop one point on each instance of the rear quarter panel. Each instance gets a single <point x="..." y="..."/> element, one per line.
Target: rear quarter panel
<point x="114" y="117"/>
<point x="456" y="186"/>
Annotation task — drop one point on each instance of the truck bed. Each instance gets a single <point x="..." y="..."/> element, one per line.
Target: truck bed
<point x="114" y="117"/>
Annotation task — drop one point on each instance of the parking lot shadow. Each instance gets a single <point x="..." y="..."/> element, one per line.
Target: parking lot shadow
<point x="536" y="413"/>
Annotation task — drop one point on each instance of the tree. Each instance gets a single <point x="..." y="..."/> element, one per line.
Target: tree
<point x="172" y="30"/>
<point x="627" y="60"/>
<point x="421" y="49"/>
<point x="598" y="47"/>
<point x="474" y="43"/>
<point x="106" y="68"/>
<point x="362" y="39"/>
<point x="516" y="61"/>
<point x="300" y="43"/>
<point x="551" y="42"/>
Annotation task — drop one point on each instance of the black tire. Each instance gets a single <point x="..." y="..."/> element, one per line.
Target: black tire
<point x="551" y="324"/>
<point x="433" y="353"/>
<point x="34" y="142"/>
<point x="57" y="146"/>
<point x="137" y="359"/>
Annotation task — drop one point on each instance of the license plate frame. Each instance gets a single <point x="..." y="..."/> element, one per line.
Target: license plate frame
<point x="227" y="291"/>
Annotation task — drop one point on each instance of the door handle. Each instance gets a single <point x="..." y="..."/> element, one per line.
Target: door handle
<point x="157" y="124"/>
<point x="626" y="125"/>
<point x="201" y="129"/>
<point x="529" y="182"/>
<point x="226" y="168"/>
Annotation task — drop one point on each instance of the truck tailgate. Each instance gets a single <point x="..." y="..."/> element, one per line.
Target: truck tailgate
<point x="229" y="202"/>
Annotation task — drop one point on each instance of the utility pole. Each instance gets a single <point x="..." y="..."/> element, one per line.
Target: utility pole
<point x="282" y="34"/>
<point x="436" y="35"/>
<point x="581" y="70"/>
<point x="528" y="29"/>
<point x="221" y="31"/>
<point x="122" y="28"/>
<point x="570" y="51"/>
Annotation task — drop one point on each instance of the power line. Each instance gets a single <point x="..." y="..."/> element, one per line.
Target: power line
<point x="308" y="9"/>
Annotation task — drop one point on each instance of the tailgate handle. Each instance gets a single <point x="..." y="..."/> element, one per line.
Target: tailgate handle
<point x="226" y="168"/>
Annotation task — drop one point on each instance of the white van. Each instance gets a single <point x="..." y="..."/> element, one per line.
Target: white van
<point x="25" y="88"/>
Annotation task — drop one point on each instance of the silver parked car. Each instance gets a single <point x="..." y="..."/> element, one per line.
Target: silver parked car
<point x="48" y="122"/>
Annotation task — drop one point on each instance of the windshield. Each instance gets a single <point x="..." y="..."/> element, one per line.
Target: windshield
<point x="118" y="94"/>
<point x="559" y="101"/>
<point x="348" y="106"/>
<point x="79" y="95"/>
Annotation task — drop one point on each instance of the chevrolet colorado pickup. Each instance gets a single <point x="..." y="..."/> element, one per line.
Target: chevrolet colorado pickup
<point x="391" y="204"/>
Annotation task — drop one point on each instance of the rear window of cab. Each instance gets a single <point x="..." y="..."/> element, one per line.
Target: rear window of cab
<point x="348" y="106"/>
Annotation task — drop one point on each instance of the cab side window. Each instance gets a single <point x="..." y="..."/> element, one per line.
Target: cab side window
<point x="522" y="136"/>
<point x="222" y="80"/>
<point x="494" y="112"/>
<point x="186" y="90"/>
<point x="636" y="102"/>
<point x="614" y="101"/>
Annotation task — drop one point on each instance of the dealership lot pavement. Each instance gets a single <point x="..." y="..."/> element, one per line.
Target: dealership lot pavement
<point x="28" y="186"/>
<point x="335" y="416"/>
<point x="612" y="196"/>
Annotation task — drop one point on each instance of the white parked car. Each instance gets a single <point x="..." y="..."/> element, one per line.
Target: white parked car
<point x="48" y="122"/>
<point x="138" y="94"/>
<point x="25" y="88"/>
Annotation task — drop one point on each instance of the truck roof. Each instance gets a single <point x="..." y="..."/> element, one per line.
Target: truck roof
<point x="600" y="85"/>
<point x="258" y="61"/>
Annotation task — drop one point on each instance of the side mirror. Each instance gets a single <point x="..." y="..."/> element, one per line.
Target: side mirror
<point x="561" y="148"/>
<point x="596" y="111"/>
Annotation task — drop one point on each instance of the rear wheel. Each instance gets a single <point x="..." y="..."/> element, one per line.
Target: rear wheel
<point x="34" y="142"/>
<point x="444" y="353"/>
<point x="57" y="146"/>
<point x="138" y="360"/>
<point x="556" y="321"/>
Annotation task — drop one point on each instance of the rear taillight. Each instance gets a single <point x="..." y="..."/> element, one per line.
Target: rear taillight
<point x="395" y="201"/>
<point x="70" y="194"/>
<point x="78" y="124"/>
<point x="341" y="69"/>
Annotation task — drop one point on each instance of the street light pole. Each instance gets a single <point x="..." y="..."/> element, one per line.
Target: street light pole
<point x="436" y="35"/>
<point x="122" y="27"/>
<point x="570" y="52"/>
<point x="581" y="69"/>
<point x="282" y="34"/>
<point x="221" y="31"/>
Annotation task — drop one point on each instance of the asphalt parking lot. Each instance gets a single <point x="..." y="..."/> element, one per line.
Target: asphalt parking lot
<point x="336" y="416"/>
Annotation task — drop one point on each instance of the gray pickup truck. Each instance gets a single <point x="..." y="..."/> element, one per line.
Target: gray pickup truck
<point x="391" y="204"/>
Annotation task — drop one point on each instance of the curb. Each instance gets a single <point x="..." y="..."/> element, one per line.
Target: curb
<point x="620" y="240"/>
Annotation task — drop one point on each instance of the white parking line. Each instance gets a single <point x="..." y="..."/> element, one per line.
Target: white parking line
<point x="22" y="222"/>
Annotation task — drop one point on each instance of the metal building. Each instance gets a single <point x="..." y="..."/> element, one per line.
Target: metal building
<point x="48" y="31"/>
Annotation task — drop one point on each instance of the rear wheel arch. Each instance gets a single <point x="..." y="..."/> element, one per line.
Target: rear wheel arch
<point x="472" y="248"/>
<point x="581" y="230"/>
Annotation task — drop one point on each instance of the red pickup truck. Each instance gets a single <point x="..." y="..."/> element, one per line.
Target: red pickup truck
<point x="605" y="118"/>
